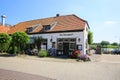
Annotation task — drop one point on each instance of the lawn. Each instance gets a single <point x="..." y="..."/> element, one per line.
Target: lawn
<point x="108" y="46"/>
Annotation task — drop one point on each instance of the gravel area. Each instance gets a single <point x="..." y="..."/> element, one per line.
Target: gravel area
<point x="102" y="67"/>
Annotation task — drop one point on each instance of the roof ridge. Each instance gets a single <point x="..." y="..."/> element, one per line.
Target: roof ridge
<point x="47" y="18"/>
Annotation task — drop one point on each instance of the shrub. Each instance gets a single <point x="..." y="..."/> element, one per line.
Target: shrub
<point x="12" y="50"/>
<point x="43" y="53"/>
<point x="75" y="54"/>
<point x="22" y="52"/>
<point x="4" y="47"/>
<point x="35" y="51"/>
<point x="4" y="41"/>
<point x="20" y="39"/>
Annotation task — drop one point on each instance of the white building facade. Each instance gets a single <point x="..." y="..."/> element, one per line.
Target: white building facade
<point x="64" y="42"/>
<point x="63" y="33"/>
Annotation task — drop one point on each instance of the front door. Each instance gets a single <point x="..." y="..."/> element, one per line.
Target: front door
<point x="66" y="49"/>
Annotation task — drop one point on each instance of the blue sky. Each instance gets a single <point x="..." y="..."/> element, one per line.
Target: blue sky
<point x="103" y="16"/>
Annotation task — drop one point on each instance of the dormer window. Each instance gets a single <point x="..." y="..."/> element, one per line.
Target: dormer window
<point x="30" y="29"/>
<point x="46" y="27"/>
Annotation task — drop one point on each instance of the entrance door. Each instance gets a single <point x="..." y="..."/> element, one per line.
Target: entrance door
<point x="66" y="49"/>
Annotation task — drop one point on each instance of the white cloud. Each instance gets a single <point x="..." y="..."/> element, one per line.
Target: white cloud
<point x="111" y="23"/>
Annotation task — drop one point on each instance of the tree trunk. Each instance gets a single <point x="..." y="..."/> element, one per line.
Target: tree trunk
<point x="19" y="49"/>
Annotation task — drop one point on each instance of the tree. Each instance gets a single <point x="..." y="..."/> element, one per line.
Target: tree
<point x="20" y="39"/>
<point x="37" y="42"/>
<point x="4" y="41"/>
<point x="90" y="37"/>
<point x="104" y="43"/>
<point x="114" y="44"/>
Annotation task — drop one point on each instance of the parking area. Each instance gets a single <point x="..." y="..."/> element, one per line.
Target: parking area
<point x="102" y="67"/>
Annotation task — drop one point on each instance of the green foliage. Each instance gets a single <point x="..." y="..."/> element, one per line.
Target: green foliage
<point x="108" y="46"/>
<point x="115" y="44"/>
<point x="12" y="50"/>
<point x="112" y="46"/>
<point x="104" y="43"/>
<point x="37" y="42"/>
<point x="4" y="41"/>
<point x="90" y="37"/>
<point x="43" y="53"/>
<point x="20" y="39"/>
<point x="93" y="46"/>
<point x="5" y="46"/>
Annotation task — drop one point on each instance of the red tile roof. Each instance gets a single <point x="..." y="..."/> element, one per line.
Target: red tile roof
<point x="4" y="29"/>
<point x="60" y="23"/>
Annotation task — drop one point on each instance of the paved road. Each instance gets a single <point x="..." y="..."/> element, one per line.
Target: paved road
<point x="103" y="68"/>
<point x="14" y="75"/>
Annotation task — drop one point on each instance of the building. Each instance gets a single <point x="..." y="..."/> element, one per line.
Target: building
<point x="64" y="33"/>
<point x="4" y="29"/>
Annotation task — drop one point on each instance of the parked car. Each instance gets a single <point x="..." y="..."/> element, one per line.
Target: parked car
<point x="116" y="51"/>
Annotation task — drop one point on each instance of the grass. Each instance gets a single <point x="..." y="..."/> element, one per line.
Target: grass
<point x="111" y="46"/>
<point x="108" y="46"/>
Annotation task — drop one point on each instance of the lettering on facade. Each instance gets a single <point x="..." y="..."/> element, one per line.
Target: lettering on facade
<point x="66" y="34"/>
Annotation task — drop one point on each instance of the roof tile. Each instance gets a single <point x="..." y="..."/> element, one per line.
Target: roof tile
<point x="64" y="23"/>
<point x="4" y="29"/>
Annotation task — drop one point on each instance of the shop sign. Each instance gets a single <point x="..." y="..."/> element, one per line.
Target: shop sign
<point x="66" y="34"/>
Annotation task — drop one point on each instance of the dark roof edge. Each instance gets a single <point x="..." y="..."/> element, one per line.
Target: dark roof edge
<point x="56" y="32"/>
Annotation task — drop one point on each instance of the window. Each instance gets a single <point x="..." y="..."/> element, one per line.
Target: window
<point x="30" y="29"/>
<point x="60" y="40"/>
<point x="66" y="40"/>
<point x="60" y="46"/>
<point x="73" y="40"/>
<point x="44" y="44"/>
<point x="46" y="27"/>
<point x="72" y="46"/>
<point x="31" y="40"/>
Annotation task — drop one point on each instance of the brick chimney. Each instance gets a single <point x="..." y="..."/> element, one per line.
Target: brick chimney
<point x="57" y="15"/>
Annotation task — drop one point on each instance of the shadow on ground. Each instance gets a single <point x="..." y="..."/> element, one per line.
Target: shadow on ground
<point x="6" y="55"/>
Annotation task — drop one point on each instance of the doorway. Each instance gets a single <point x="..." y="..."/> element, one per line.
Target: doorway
<point x="66" y="49"/>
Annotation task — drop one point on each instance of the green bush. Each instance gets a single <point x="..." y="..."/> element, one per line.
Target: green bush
<point x="4" y="47"/>
<point x="43" y="53"/>
<point x="4" y="41"/>
<point x="12" y="50"/>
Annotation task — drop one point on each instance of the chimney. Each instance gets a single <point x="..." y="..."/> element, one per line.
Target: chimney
<point x="57" y="15"/>
<point x="3" y="20"/>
